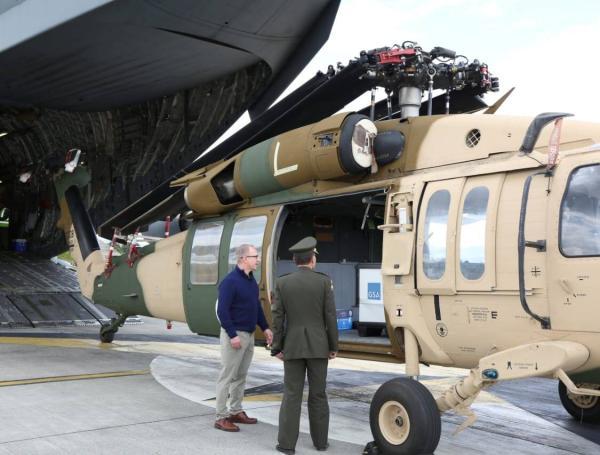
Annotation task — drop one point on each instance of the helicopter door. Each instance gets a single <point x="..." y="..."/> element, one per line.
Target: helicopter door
<point x="476" y="233"/>
<point x="210" y="256"/>
<point x="436" y="238"/>
<point x="201" y="273"/>
<point x="574" y="244"/>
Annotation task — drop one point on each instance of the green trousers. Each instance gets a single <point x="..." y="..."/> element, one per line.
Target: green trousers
<point x="295" y="371"/>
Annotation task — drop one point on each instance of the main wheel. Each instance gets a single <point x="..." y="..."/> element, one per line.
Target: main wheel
<point x="107" y="336"/>
<point x="404" y="418"/>
<point x="585" y="408"/>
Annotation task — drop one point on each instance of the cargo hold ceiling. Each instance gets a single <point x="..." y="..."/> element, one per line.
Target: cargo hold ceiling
<point x="142" y="87"/>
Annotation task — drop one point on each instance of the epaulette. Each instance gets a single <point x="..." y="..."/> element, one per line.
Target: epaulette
<point x="328" y="279"/>
<point x="324" y="274"/>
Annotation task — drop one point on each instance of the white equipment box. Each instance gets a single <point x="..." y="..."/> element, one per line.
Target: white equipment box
<point x="370" y="296"/>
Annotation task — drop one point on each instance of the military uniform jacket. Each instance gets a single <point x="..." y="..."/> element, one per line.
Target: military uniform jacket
<point x="304" y="319"/>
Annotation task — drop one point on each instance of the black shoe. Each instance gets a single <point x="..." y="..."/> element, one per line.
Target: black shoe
<point x="287" y="451"/>
<point x="323" y="449"/>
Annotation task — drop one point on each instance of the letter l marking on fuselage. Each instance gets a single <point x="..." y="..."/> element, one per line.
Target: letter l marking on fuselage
<point x="285" y="170"/>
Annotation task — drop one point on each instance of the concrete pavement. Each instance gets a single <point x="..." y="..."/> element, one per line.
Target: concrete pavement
<point x="152" y="391"/>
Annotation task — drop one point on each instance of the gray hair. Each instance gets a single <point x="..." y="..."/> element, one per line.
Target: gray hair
<point x="242" y="251"/>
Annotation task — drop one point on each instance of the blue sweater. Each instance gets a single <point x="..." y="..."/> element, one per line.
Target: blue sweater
<point x="239" y="307"/>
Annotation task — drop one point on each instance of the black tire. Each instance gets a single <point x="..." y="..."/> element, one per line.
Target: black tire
<point x="586" y="410"/>
<point x="107" y="336"/>
<point x="417" y="413"/>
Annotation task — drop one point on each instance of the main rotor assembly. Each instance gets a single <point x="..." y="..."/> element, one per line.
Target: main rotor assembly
<point x="407" y="72"/>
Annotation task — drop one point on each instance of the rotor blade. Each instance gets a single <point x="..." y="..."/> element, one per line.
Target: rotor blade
<point x="171" y="206"/>
<point x="494" y="107"/>
<point x="320" y="97"/>
<point x="142" y="210"/>
<point x="461" y="102"/>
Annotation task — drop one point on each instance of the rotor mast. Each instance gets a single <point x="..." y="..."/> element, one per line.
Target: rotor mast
<point x="407" y="72"/>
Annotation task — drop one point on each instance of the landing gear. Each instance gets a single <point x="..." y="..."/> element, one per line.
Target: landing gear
<point x="107" y="332"/>
<point x="585" y="408"/>
<point x="405" y="418"/>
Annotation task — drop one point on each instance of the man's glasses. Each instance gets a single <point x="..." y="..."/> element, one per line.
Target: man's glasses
<point x="255" y="256"/>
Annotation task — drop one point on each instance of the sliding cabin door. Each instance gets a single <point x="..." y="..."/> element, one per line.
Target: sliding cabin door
<point x="456" y="260"/>
<point x="209" y="255"/>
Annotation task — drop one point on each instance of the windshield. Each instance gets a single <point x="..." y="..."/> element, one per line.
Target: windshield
<point x="580" y="214"/>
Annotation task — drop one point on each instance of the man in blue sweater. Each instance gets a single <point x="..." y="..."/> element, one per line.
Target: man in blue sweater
<point x="239" y="312"/>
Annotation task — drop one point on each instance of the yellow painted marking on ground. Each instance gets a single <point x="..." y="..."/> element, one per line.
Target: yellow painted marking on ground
<point x="265" y="397"/>
<point x="51" y="342"/>
<point x="149" y="347"/>
<point x="74" y="377"/>
<point x="206" y="351"/>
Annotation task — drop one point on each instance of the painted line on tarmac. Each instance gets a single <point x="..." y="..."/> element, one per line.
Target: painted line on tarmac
<point x="54" y="342"/>
<point x="139" y="347"/>
<point x="73" y="377"/>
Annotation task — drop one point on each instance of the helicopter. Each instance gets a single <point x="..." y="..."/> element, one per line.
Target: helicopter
<point x="485" y="228"/>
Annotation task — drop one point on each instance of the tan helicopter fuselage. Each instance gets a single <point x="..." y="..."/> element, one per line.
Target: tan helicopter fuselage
<point x="449" y="259"/>
<point x="462" y="300"/>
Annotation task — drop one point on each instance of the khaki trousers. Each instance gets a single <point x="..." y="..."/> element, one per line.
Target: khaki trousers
<point x="232" y="378"/>
<point x="318" y="409"/>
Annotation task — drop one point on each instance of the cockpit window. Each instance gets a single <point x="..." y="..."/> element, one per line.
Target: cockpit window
<point x="436" y="229"/>
<point x="580" y="213"/>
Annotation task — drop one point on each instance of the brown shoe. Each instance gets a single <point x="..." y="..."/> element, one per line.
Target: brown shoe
<point x="226" y="425"/>
<point x="242" y="417"/>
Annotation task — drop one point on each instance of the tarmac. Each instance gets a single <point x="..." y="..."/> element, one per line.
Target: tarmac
<point x="152" y="392"/>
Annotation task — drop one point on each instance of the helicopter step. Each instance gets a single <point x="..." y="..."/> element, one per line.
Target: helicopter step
<point x="36" y="292"/>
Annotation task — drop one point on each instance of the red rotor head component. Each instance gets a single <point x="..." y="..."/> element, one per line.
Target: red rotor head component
<point x="395" y="55"/>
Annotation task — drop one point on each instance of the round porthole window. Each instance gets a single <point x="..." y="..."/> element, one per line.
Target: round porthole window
<point x="473" y="138"/>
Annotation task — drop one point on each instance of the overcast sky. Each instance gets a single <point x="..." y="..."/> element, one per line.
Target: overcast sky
<point x="547" y="49"/>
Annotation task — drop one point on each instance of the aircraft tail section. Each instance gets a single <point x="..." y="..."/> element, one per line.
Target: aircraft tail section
<point x="78" y="228"/>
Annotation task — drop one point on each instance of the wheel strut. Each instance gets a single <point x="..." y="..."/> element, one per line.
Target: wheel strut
<point x="107" y="332"/>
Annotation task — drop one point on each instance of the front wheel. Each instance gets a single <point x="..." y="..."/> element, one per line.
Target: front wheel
<point x="585" y="408"/>
<point x="107" y="336"/>
<point x="404" y="418"/>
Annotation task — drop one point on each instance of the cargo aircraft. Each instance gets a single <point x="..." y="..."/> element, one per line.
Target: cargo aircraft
<point x="141" y="88"/>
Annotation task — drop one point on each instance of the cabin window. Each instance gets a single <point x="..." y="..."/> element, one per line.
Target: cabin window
<point x="248" y="230"/>
<point x="472" y="233"/>
<point x="436" y="228"/>
<point x="580" y="213"/>
<point x="204" y="266"/>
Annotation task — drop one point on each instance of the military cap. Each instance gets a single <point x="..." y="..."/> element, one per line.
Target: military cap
<point x="306" y="245"/>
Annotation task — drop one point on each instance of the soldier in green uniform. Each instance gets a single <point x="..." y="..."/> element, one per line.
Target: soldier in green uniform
<point x="305" y="337"/>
